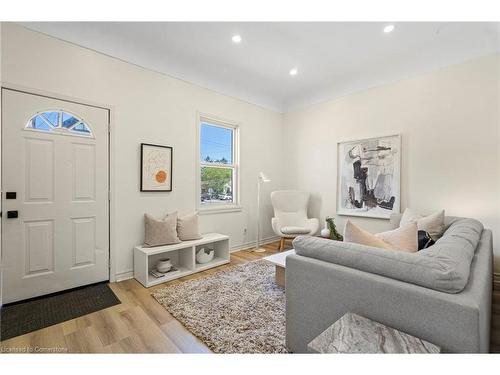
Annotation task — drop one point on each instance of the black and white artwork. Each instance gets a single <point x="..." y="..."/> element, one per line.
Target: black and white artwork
<point x="369" y="177"/>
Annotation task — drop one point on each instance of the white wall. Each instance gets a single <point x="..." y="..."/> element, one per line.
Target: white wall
<point x="450" y="123"/>
<point x="152" y="108"/>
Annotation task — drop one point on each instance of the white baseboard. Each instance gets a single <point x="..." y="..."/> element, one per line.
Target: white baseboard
<point x="249" y="245"/>
<point x="124" y="275"/>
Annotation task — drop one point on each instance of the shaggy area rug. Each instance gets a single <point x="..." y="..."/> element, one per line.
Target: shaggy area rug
<point x="237" y="310"/>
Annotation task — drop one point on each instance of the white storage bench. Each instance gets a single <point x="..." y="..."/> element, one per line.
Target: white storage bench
<point x="182" y="256"/>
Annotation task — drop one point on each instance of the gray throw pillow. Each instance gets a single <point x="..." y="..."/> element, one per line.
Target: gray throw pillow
<point x="188" y="228"/>
<point x="161" y="232"/>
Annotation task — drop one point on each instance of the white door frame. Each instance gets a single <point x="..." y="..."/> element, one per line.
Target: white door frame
<point x="111" y="159"/>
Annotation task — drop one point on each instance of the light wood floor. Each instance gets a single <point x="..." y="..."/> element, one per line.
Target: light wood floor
<point x="138" y="325"/>
<point x="141" y="325"/>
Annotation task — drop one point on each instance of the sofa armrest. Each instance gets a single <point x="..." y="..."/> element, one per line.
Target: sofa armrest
<point x="318" y="293"/>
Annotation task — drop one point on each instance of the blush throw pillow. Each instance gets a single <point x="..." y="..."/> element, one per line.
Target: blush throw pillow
<point x="188" y="228"/>
<point x="432" y="224"/>
<point x="354" y="234"/>
<point x="161" y="232"/>
<point x="403" y="239"/>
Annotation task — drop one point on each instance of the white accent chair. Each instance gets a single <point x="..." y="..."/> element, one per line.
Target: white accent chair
<point x="290" y="215"/>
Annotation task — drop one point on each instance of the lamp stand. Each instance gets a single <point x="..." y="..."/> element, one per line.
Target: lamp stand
<point x="258" y="249"/>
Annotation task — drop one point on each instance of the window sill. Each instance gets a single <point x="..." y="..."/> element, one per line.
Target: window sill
<point x="219" y="209"/>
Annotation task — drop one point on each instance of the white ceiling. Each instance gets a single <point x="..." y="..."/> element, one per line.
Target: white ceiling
<point x="333" y="59"/>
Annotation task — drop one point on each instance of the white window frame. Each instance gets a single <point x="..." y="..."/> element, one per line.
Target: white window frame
<point x="216" y="207"/>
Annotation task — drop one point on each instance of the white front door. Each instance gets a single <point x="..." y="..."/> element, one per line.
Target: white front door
<point x="55" y="179"/>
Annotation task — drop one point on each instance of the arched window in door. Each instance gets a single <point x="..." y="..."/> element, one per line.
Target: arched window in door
<point x="60" y="122"/>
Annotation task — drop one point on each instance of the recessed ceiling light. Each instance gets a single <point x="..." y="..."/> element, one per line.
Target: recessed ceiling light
<point x="236" y="39"/>
<point x="293" y="71"/>
<point x="388" y="29"/>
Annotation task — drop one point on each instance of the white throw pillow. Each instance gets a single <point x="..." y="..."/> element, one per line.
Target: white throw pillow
<point x="188" y="228"/>
<point x="402" y="239"/>
<point x="432" y="224"/>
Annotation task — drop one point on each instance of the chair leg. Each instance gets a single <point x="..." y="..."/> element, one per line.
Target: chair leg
<point x="282" y="244"/>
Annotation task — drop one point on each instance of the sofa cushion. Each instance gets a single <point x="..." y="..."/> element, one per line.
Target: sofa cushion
<point x="444" y="266"/>
<point x="294" y="230"/>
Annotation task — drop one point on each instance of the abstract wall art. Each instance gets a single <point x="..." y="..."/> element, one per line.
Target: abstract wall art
<point x="368" y="177"/>
<point x="156" y="167"/>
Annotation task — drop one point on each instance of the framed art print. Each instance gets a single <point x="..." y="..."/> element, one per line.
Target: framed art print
<point x="368" y="177"/>
<point x="156" y="167"/>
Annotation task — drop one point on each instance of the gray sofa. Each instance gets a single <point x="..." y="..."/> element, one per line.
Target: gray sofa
<point x="441" y="294"/>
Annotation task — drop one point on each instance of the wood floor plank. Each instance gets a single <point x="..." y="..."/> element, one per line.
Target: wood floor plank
<point x="116" y="348"/>
<point x="84" y="340"/>
<point x="132" y="345"/>
<point x="69" y="326"/>
<point x="183" y="339"/>
<point x="122" y="292"/>
<point x="147" y="332"/>
<point x="109" y="326"/>
<point x="142" y="297"/>
<point x="46" y="340"/>
<point x="83" y="321"/>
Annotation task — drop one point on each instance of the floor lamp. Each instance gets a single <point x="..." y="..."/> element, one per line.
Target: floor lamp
<point x="260" y="180"/>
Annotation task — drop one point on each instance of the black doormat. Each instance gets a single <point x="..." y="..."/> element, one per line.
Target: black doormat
<point x="27" y="316"/>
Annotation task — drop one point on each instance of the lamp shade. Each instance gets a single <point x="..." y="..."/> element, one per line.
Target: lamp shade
<point x="263" y="177"/>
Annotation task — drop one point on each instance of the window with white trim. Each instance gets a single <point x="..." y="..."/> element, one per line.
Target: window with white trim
<point x="218" y="188"/>
<point x="59" y="122"/>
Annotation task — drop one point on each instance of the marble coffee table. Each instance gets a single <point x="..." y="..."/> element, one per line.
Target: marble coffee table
<point x="355" y="334"/>
<point x="278" y="260"/>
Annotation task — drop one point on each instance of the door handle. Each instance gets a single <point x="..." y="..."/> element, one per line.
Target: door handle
<point x="12" y="215"/>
